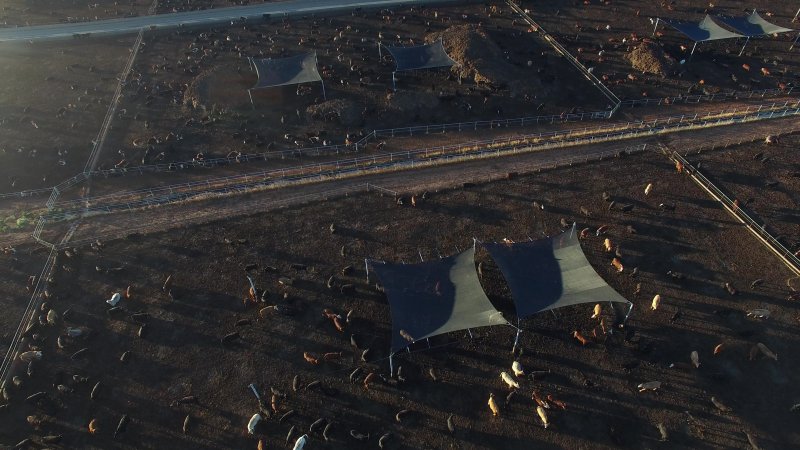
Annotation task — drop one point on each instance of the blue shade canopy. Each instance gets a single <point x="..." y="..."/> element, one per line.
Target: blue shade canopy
<point x="752" y="25"/>
<point x="435" y="297"/>
<point x="706" y="30"/>
<point x="550" y="273"/>
<point x="285" y="71"/>
<point x="421" y="56"/>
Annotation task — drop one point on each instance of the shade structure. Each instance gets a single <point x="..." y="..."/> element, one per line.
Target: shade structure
<point x="550" y="273"/>
<point x="435" y="297"/>
<point x="296" y="69"/>
<point x="706" y="30"/>
<point x="752" y="25"/>
<point x="425" y="56"/>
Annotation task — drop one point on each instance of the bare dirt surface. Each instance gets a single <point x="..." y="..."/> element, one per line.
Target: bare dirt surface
<point x="53" y="99"/>
<point x="115" y="186"/>
<point x="41" y="12"/>
<point x="766" y="181"/>
<point x="190" y="89"/>
<point x="582" y="28"/>
<point x="18" y="265"/>
<point x="180" y="352"/>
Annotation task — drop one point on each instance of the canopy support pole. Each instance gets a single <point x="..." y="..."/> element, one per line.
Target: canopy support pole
<point x="469" y="331"/>
<point x="394" y="82"/>
<point x="516" y="339"/>
<point x="380" y="52"/>
<point x="366" y="268"/>
<point x="796" y="14"/>
<point x="745" y="45"/>
<point x="795" y="40"/>
<point x="250" y="93"/>
<point x="692" y="53"/>
<point x="630" y="310"/>
<point x="391" y="364"/>
<point x="324" y="96"/>
<point x="656" y="27"/>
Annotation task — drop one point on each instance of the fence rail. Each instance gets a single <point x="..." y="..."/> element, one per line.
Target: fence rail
<point x="28" y="193"/>
<point x="720" y="96"/>
<point x="500" y="123"/>
<point x="551" y="164"/>
<point x="792" y="261"/>
<point x="566" y="54"/>
<point x="565" y="137"/>
<point x="27" y="317"/>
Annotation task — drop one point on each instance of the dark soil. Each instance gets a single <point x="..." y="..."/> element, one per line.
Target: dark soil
<point x="766" y="181"/>
<point x="16" y="266"/>
<point x="193" y="84"/>
<point x="41" y="12"/>
<point x="715" y="66"/>
<point x="53" y="99"/>
<point x="180" y="353"/>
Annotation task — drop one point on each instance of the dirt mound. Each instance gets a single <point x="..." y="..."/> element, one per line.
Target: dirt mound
<point x="482" y="60"/>
<point x="343" y="111"/>
<point x="221" y="86"/>
<point x="650" y="58"/>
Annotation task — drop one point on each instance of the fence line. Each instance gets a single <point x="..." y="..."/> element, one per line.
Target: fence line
<point x="369" y="187"/>
<point x="29" y="314"/>
<point x="563" y="51"/>
<point x="26" y="193"/>
<point x="384" y="160"/>
<point x="500" y="123"/>
<point x="638" y="124"/>
<point x="759" y="230"/>
<point x="706" y="97"/>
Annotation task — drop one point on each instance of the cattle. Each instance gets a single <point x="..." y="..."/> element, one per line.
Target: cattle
<point x="577" y="335"/>
<point x="617" y="264"/>
<point x="508" y="380"/>
<point x="719" y="405"/>
<point x="493" y="405"/>
<point x="766" y="351"/>
<point x="543" y="415"/>
<point x="649" y="386"/>
<point x="695" y="357"/>
<point x="301" y="442"/>
<point x="516" y="367"/>
<point x="608" y="245"/>
<point x="310" y="358"/>
<point x="597" y="311"/>
<point x="648" y="189"/>
<point x="656" y="302"/>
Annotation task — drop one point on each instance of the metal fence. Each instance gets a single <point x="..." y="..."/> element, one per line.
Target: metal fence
<point x="720" y="96"/>
<point x="319" y="151"/>
<point x="359" y="187"/>
<point x="27" y="317"/>
<point x="490" y="124"/>
<point x="759" y="229"/>
<point x="28" y="193"/>
<point x="566" y="54"/>
<point x="394" y="160"/>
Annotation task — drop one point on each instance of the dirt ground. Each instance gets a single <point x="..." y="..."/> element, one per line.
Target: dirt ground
<point x="42" y="12"/>
<point x="16" y="266"/>
<point x="53" y="99"/>
<point x="180" y="353"/>
<point x="765" y="179"/>
<point x="581" y="28"/>
<point x="191" y="89"/>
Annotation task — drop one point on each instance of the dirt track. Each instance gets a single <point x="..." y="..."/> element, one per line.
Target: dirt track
<point x="423" y="179"/>
<point x="597" y="382"/>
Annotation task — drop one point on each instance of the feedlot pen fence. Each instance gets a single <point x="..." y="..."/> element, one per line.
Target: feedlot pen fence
<point x="758" y="229"/>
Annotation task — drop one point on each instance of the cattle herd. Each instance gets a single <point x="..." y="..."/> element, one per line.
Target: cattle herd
<point x="261" y="333"/>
